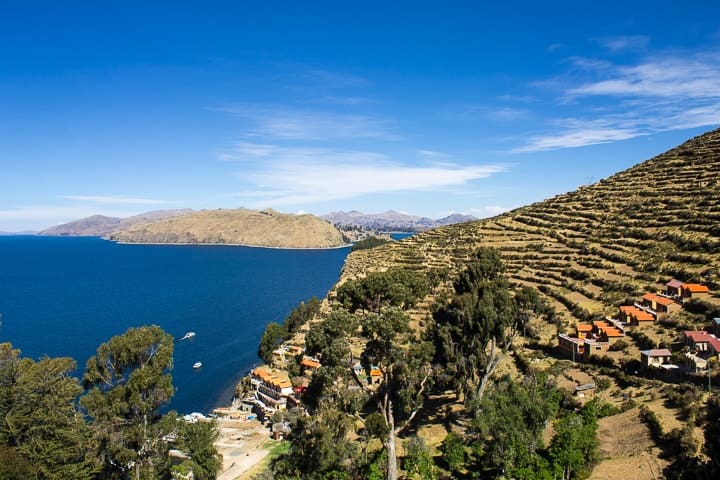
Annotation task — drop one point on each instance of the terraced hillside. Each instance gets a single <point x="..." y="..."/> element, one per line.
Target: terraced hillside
<point x="589" y="250"/>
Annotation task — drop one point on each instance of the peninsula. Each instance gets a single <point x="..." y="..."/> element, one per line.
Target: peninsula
<point x="265" y="228"/>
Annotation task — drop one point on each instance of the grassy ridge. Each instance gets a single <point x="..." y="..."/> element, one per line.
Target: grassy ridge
<point x="590" y="249"/>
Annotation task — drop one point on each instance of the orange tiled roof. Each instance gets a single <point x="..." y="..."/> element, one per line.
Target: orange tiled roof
<point x="613" y="332"/>
<point x="696" y="288"/>
<point x="643" y="316"/>
<point x="652" y="297"/>
<point x="310" y="363"/>
<point x="270" y="378"/>
<point x="583" y="327"/>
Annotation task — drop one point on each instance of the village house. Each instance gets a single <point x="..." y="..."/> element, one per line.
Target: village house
<point x="674" y="288"/>
<point x="282" y="354"/>
<point x="702" y="342"/>
<point x="695" y="291"/>
<point x="655" y="357"/>
<point x="573" y="346"/>
<point x="310" y="364"/>
<point x="583" y="330"/>
<point x="589" y="339"/>
<point x="272" y="387"/>
<point x="634" y="315"/>
<point x="605" y="331"/>
<point x="661" y="305"/>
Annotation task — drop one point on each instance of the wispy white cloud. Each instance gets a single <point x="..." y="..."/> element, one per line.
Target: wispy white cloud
<point x="297" y="124"/>
<point x="626" y="42"/>
<point x="115" y="199"/>
<point x="579" y="137"/>
<point x="432" y="154"/>
<point x="670" y="77"/>
<point x="486" y="211"/>
<point x="54" y="214"/>
<point x="660" y="93"/>
<point x="298" y="176"/>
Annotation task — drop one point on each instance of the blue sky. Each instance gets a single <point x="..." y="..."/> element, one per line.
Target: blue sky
<point x="424" y="107"/>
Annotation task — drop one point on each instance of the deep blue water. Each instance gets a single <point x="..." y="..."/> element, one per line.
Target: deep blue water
<point x="64" y="296"/>
<point x="401" y="235"/>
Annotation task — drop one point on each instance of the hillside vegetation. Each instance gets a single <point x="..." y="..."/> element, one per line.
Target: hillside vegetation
<point x="266" y="228"/>
<point x="588" y="250"/>
<point x="569" y="259"/>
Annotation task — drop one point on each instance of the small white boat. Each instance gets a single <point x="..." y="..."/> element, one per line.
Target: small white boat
<point x="188" y="335"/>
<point x="197" y="365"/>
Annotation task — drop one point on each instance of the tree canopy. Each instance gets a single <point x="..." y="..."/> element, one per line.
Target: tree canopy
<point x="395" y="287"/>
<point x="110" y="427"/>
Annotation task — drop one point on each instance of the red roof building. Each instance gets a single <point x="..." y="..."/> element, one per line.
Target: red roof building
<point x="702" y="341"/>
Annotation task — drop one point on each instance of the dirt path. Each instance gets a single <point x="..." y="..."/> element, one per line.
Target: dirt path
<point x="627" y="450"/>
<point x="241" y="445"/>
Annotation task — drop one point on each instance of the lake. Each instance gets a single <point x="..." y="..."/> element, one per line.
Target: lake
<point x="64" y="296"/>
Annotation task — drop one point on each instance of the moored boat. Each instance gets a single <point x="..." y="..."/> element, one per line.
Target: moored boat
<point x="188" y="335"/>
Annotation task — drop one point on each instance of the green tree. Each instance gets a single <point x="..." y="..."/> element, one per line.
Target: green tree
<point x="485" y="266"/>
<point x="328" y="338"/>
<point x="272" y="337"/>
<point x="319" y="449"/>
<point x="470" y="334"/>
<point x="128" y="381"/>
<point x="302" y="314"/>
<point x="42" y="435"/>
<point x="418" y="460"/>
<point x="573" y="450"/>
<point x="395" y="287"/>
<point x="197" y="440"/>
<point x="405" y="364"/>
<point x="367" y="243"/>
<point x="453" y="451"/>
<point x="508" y="427"/>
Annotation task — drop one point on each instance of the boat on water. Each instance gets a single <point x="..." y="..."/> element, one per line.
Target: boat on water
<point x="197" y="365"/>
<point x="188" y="335"/>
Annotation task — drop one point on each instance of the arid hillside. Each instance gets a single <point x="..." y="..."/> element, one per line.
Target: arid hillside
<point x="590" y="249"/>
<point x="265" y="228"/>
<point x="101" y="226"/>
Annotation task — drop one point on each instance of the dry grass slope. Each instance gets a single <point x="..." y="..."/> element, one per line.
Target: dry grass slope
<point x="589" y="249"/>
<point x="266" y="228"/>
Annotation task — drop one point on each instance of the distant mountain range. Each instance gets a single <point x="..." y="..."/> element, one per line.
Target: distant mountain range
<point x="266" y="228"/>
<point x="26" y="232"/>
<point x="102" y="226"/>
<point x="392" y="221"/>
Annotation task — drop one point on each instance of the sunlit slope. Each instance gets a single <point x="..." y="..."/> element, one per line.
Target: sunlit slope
<point x="590" y="249"/>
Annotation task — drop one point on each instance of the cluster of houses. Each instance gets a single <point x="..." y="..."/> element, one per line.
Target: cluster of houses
<point x="597" y="337"/>
<point x="273" y="390"/>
